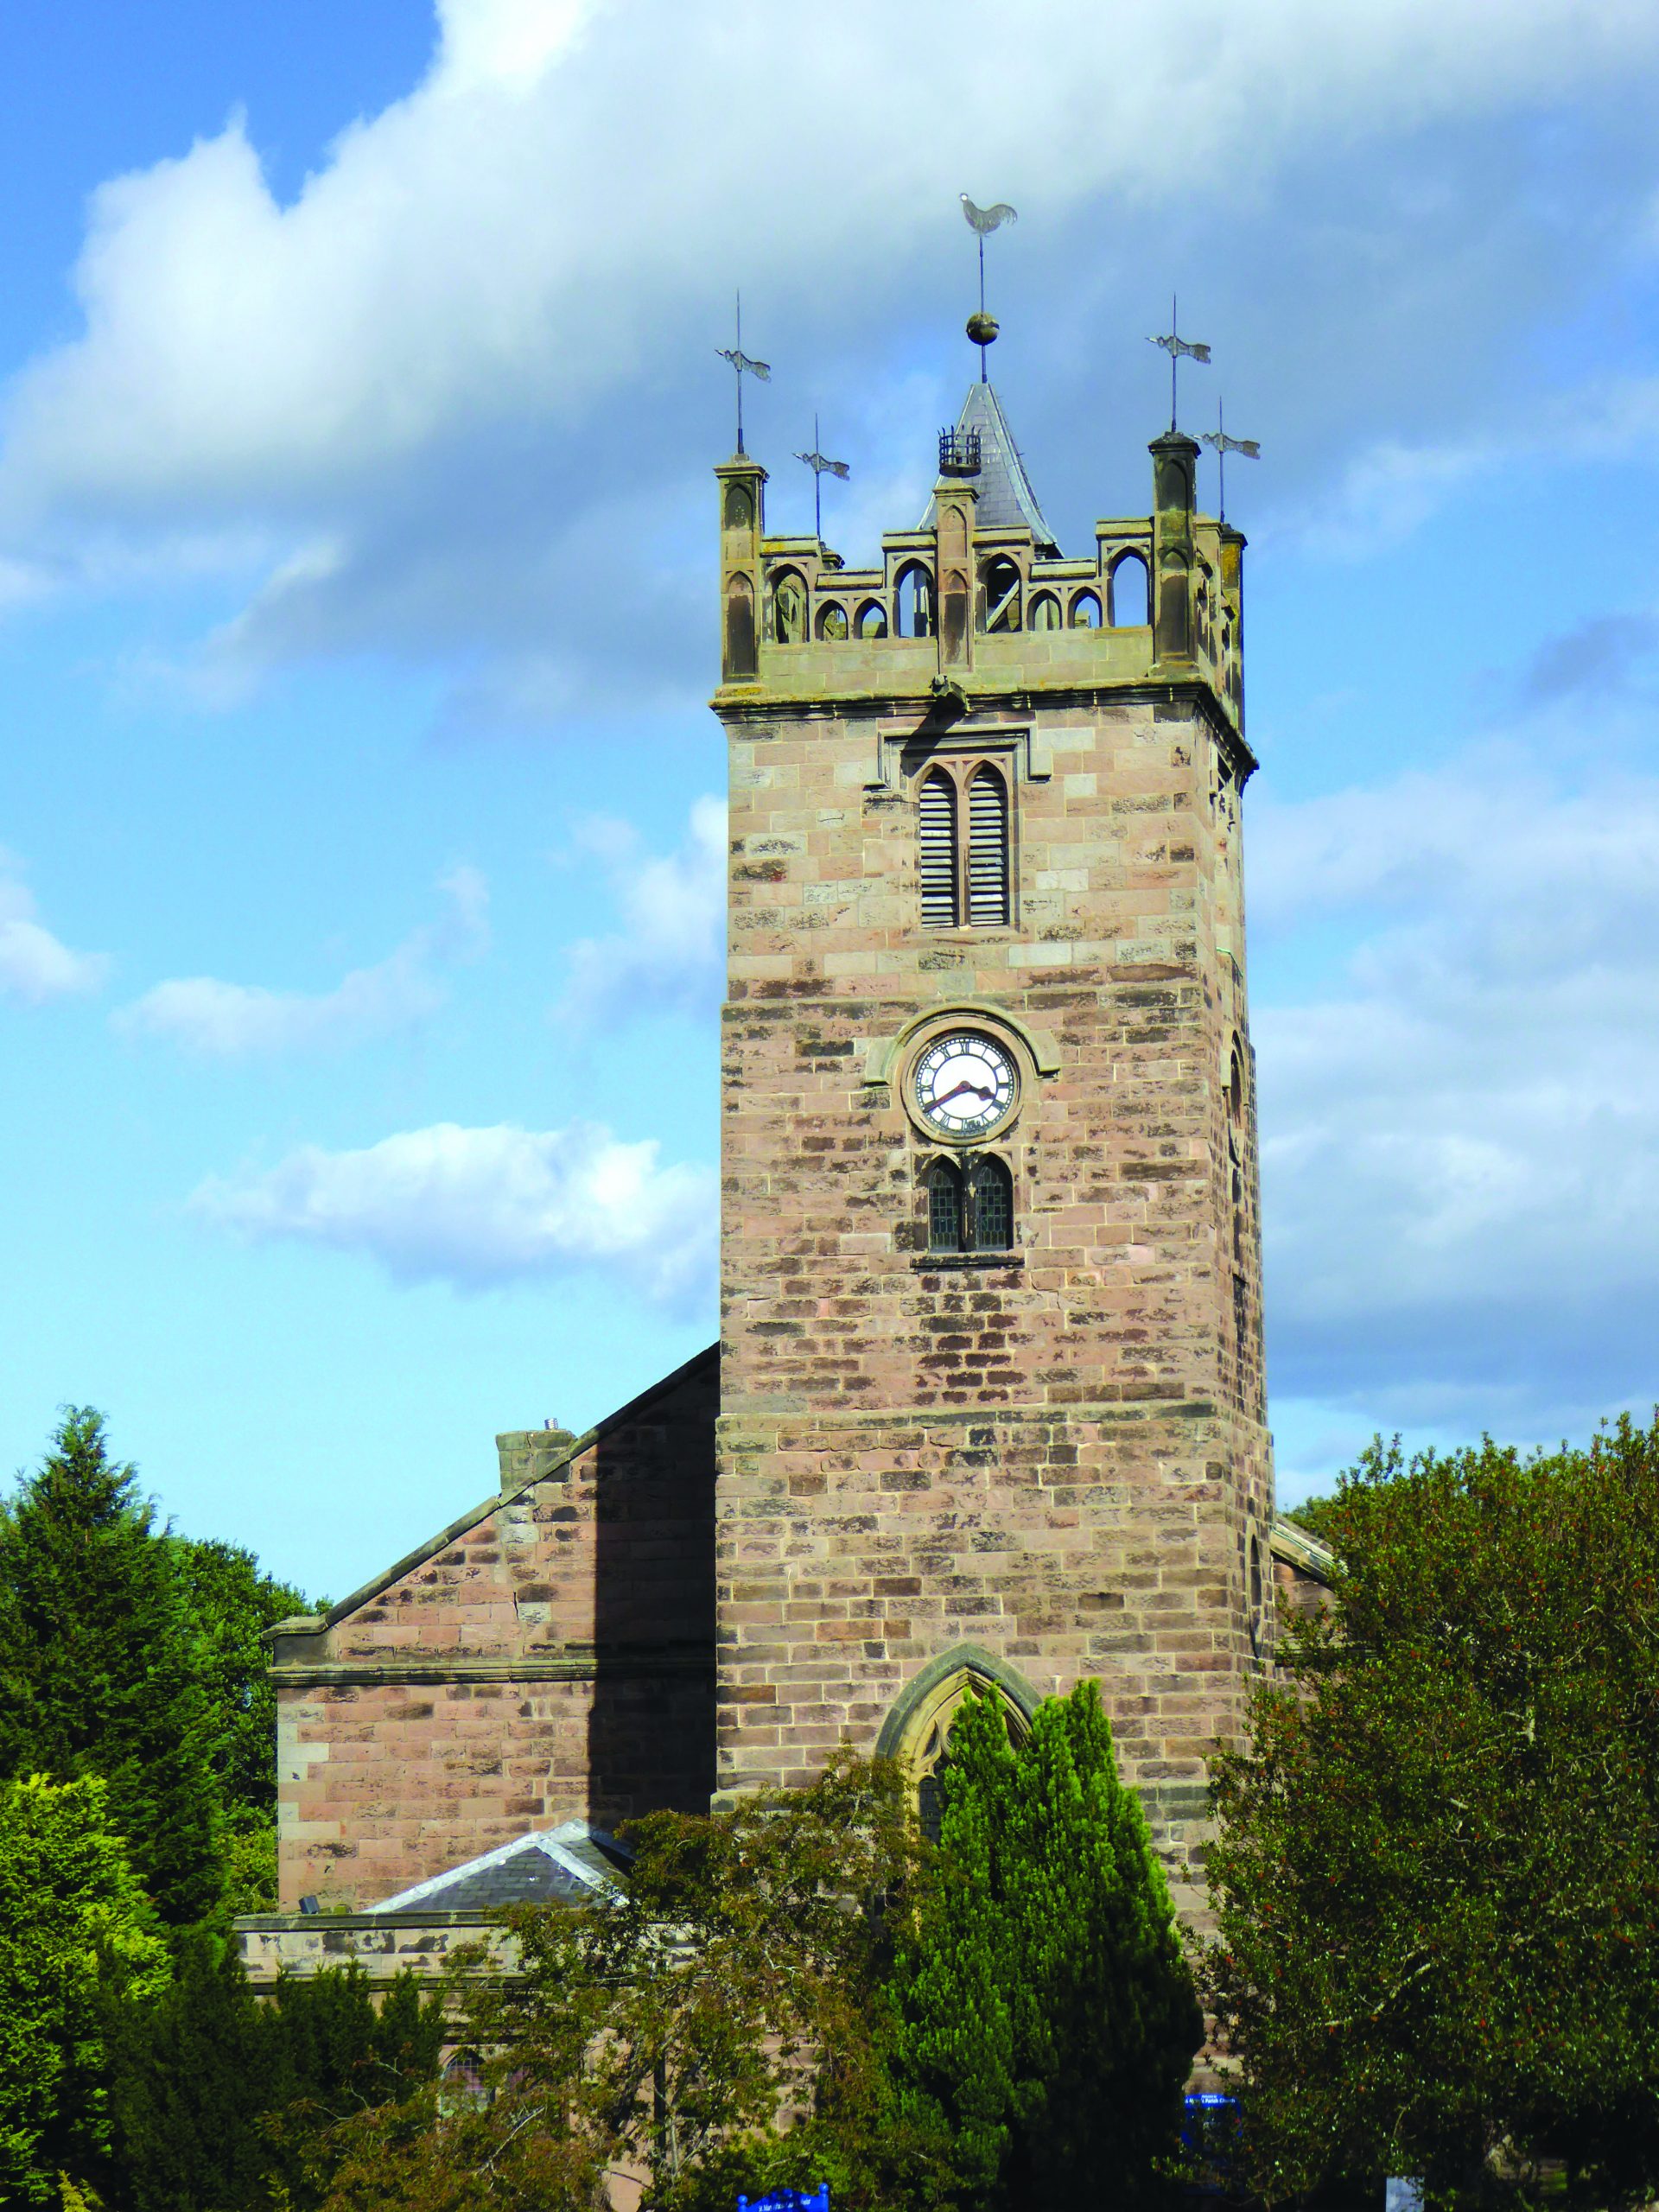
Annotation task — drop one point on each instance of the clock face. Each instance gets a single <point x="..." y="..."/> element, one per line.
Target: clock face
<point x="965" y="1084"/>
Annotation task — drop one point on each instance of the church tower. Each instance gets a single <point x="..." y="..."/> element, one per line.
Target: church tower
<point x="988" y="1406"/>
<point x="991" y="1392"/>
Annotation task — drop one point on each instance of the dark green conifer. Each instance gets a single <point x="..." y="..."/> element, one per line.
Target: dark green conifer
<point x="99" y="1673"/>
<point x="191" y="2076"/>
<point x="221" y="2098"/>
<point x="1106" y="2021"/>
<point x="1049" y="2012"/>
<point x="958" y="2044"/>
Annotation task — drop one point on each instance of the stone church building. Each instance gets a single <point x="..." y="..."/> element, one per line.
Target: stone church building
<point x="988" y="1402"/>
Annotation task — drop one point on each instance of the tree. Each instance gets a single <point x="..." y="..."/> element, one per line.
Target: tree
<point x="724" y="2024"/>
<point x="787" y="1993"/>
<point x="230" y="1604"/>
<point x="1051" y="2016"/>
<point x="75" y="1930"/>
<point x="222" y="2098"/>
<point x="192" y="2074"/>
<point x="99" y="1669"/>
<point x="1437" y="1880"/>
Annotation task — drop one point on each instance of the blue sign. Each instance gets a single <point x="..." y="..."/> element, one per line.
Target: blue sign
<point x="788" y="2200"/>
<point x="1211" y="2124"/>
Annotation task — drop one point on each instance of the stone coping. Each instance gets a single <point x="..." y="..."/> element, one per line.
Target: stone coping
<point x="317" y="1923"/>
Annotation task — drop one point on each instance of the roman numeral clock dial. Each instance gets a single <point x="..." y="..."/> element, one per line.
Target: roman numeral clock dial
<point x="965" y="1086"/>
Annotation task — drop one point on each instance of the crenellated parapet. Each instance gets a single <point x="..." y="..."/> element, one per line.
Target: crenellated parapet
<point x="988" y="604"/>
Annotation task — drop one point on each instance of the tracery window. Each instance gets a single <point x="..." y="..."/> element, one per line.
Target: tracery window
<point x="968" y="877"/>
<point x="970" y="1207"/>
<point x="988" y="848"/>
<point x="931" y="1762"/>
<point x="937" y="822"/>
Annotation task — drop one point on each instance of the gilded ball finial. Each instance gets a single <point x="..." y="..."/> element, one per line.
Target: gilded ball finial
<point x="983" y="328"/>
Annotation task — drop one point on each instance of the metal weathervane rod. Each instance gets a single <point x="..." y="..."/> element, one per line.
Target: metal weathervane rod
<point x="740" y="363"/>
<point x="1251" y="447"/>
<point x="982" y="222"/>
<point x="819" y="464"/>
<point x="1175" y="347"/>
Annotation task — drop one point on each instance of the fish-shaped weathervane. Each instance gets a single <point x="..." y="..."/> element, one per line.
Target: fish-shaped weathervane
<point x="743" y="366"/>
<point x="1222" y="445"/>
<point x="821" y="466"/>
<point x="1175" y="347"/>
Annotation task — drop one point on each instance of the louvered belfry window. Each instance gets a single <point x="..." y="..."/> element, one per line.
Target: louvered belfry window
<point x="939" y="833"/>
<point x="965" y="878"/>
<point x="987" y="849"/>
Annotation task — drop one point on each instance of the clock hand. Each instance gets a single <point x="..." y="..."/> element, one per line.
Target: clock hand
<point x="978" y="1091"/>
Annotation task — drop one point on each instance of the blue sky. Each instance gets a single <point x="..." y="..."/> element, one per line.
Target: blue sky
<point x="360" y="822"/>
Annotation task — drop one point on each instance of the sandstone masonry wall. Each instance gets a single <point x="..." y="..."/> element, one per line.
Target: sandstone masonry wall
<point x="549" y="1655"/>
<point x="1056" y="1456"/>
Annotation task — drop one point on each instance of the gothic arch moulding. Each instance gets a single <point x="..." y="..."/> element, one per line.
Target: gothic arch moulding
<point x="930" y="1698"/>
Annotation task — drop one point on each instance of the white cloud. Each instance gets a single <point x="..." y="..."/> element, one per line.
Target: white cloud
<point x="220" y="1020"/>
<point x="1460" y="1129"/>
<point x="477" y="1207"/>
<point x="568" y="182"/>
<point x="35" y="966"/>
<point x="668" y="956"/>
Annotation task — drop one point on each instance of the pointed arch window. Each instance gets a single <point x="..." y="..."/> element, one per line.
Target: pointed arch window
<point x="789" y="609"/>
<point x="999" y="595"/>
<point x="988" y="848"/>
<point x="945" y="1207"/>
<point x="990" y="1206"/>
<point x="1128" y="589"/>
<point x="912" y="602"/>
<point x="965" y="846"/>
<point x="938" y="851"/>
<point x="970" y="1209"/>
<point x="917" y="1733"/>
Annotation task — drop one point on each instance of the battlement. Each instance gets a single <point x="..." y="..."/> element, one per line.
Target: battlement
<point x="984" y="601"/>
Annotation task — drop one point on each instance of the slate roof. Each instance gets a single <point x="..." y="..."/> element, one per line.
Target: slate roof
<point x="1006" y="500"/>
<point x="574" y="1864"/>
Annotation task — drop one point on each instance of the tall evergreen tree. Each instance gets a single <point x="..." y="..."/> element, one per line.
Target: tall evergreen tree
<point x="75" y="1931"/>
<point x="191" y="2076"/>
<point x="99" y="1669"/>
<point x="221" y="2098"/>
<point x="231" y="1603"/>
<point x="1050" y="2010"/>
<point x="958" y="2041"/>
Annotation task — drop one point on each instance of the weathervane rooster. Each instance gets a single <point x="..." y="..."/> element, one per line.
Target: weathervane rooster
<point x="982" y="327"/>
<point x="987" y="219"/>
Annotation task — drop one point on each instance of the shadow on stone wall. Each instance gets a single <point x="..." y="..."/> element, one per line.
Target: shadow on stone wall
<point x="650" y="1730"/>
